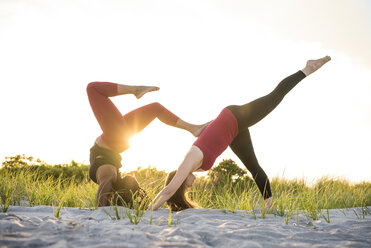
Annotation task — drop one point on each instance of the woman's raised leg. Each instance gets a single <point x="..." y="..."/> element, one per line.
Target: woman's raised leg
<point x="252" y="112"/>
<point x="108" y="116"/>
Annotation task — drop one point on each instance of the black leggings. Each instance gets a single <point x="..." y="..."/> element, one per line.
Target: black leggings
<point x="251" y="113"/>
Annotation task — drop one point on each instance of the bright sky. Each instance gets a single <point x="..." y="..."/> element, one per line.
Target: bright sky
<point x="205" y="55"/>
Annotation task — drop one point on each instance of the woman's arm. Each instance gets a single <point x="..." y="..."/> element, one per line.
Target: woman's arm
<point x="191" y="162"/>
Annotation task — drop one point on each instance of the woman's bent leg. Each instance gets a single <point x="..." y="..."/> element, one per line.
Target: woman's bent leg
<point x="106" y="113"/>
<point x="138" y="119"/>
<point x="108" y="116"/>
<point x="243" y="148"/>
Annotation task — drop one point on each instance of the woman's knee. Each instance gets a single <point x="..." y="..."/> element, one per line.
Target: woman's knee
<point x="156" y="105"/>
<point x="90" y="87"/>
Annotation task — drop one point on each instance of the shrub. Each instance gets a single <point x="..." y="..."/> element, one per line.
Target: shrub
<point x="19" y="161"/>
<point x="66" y="172"/>
<point x="228" y="172"/>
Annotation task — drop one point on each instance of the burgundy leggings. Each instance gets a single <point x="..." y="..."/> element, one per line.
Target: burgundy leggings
<point x="117" y="128"/>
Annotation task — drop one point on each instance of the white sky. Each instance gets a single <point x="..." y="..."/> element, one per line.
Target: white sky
<point x="204" y="55"/>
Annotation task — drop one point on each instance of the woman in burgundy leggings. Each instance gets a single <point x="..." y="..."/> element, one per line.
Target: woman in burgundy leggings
<point x="105" y="159"/>
<point x="230" y="128"/>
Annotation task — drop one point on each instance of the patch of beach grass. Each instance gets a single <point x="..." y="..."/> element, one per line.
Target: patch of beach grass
<point x="233" y="192"/>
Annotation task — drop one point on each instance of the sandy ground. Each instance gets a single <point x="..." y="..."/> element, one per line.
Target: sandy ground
<point x="37" y="227"/>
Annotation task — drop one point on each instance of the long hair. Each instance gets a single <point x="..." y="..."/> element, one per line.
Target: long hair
<point x="179" y="201"/>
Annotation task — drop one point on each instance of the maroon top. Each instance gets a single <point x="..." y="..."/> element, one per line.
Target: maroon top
<point x="216" y="137"/>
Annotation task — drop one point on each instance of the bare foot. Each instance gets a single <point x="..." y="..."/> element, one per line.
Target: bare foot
<point x="199" y="129"/>
<point x="314" y="65"/>
<point x="141" y="90"/>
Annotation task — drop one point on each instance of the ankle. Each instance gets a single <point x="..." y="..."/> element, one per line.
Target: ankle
<point x="127" y="89"/>
<point x="306" y="71"/>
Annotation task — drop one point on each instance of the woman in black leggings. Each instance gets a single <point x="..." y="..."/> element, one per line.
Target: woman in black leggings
<point x="251" y="113"/>
<point x="230" y="128"/>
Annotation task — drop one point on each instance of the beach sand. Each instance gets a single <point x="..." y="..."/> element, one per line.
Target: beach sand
<point x="37" y="227"/>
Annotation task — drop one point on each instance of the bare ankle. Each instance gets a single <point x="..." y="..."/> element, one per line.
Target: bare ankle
<point x="141" y="90"/>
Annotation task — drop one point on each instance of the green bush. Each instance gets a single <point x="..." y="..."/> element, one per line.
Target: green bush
<point x="228" y="172"/>
<point x="40" y="170"/>
<point x="19" y="161"/>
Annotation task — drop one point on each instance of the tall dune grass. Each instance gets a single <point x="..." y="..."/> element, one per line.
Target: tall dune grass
<point x="32" y="188"/>
<point x="29" y="189"/>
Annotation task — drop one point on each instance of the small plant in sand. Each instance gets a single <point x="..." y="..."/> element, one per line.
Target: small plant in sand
<point x="57" y="209"/>
<point x="136" y="213"/>
<point x="281" y="204"/>
<point x="265" y="211"/>
<point x="169" y="219"/>
<point x="7" y="190"/>
<point x="251" y="207"/>
<point x="310" y="206"/>
<point x="133" y="210"/>
<point x="119" y="212"/>
<point x="60" y="197"/>
<point x="6" y="197"/>
<point x="289" y="212"/>
<point x="361" y="210"/>
<point x="327" y="215"/>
